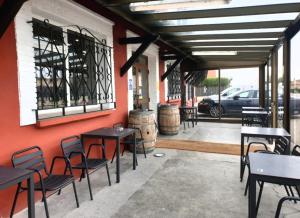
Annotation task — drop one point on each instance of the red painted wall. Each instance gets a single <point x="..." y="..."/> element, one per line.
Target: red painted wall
<point x="13" y="137"/>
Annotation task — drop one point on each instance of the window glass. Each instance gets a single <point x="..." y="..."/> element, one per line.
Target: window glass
<point x="73" y="68"/>
<point x="82" y="69"/>
<point x="49" y="65"/>
<point x="295" y="89"/>
<point x="245" y="94"/>
<point x="255" y="94"/>
<point x="174" y="89"/>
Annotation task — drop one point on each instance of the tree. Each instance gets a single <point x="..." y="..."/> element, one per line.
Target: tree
<point x="213" y="82"/>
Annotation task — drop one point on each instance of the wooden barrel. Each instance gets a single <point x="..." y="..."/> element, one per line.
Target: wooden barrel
<point x="145" y="121"/>
<point x="168" y="119"/>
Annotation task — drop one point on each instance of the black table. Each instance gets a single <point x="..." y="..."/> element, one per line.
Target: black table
<point x="271" y="168"/>
<point x="261" y="132"/>
<point x="261" y="115"/>
<point x="253" y="109"/>
<point x="11" y="176"/>
<point x="184" y="110"/>
<point x="116" y="134"/>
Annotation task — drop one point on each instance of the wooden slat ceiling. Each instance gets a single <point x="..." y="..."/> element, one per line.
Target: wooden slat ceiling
<point x="252" y="48"/>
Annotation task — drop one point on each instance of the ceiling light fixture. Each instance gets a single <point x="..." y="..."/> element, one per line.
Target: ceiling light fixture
<point x="208" y="53"/>
<point x="166" y="5"/>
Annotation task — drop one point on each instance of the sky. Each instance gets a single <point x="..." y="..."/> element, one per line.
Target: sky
<point x="242" y="77"/>
<point x="295" y="54"/>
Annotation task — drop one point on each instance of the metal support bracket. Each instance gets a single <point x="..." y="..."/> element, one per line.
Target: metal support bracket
<point x="8" y="11"/>
<point x="170" y="70"/>
<point x="146" y="41"/>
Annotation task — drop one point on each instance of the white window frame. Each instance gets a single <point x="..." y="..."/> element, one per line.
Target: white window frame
<point x="60" y="13"/>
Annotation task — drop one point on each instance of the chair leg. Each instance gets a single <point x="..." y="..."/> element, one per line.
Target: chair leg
<point x="15" y="200"/>
<point x="75" y="193"/>
<point x="144" y="150"/>
<point x="113" y="157"/>
<point x="81" y="176"/>
<point x="108" y="176"/>
<point x="247" y="186"/>
<point x="123" y="150"/>
<point x="297" y="189"/>
<point x="89" y="183"/>
<point x="292" y="193"/>
<point x="279" y="206"/>
<point x="243" y="170"/>
<point x="259" y="195"/>
<point x="45" y="201"/>
<point x="287" y="191"/>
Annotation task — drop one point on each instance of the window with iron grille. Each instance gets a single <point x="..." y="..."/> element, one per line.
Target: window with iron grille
<point x="174" y="90"/>
<point x="73" y="70"/>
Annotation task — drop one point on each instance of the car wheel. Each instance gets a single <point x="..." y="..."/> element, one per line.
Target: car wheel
<point x="215" y="111"/>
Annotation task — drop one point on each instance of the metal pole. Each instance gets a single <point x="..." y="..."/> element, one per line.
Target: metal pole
<point x="219" y="74"/>
<point x="286" y="81"/>
<point x="274" y="88"/>
<point x="262" y="85"/>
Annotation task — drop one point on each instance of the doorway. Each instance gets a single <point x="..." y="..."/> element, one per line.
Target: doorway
<point x="140" y="82"/>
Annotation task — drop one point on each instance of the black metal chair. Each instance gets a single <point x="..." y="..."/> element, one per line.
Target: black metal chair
<point x="186" y="116"/>
<point x="33" y="159"/>
<point x="280" y="148"/>
<point x="296" y="152"/>
<point x="281" y="201"/>
<point x="130" y="141"/>
<point x="72" y="147"/>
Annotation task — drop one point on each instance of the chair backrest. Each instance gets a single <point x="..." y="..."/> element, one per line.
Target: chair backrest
<point x="296" y="150"/>
<point x="71" y="146"/>
<point x="281" y="145"/>
<point x="30" y="158"/>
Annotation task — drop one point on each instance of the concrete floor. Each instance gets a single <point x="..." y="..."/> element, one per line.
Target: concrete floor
<point x="209" y="132"/>
<point x="181" y="184"/>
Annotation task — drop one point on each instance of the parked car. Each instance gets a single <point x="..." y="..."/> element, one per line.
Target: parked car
<point x="225" y="92"/>
<point x="231" y="104"/>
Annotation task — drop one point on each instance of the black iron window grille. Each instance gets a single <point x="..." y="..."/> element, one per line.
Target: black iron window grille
<point x="174" y="90"/>
<point x="73" y="70"/>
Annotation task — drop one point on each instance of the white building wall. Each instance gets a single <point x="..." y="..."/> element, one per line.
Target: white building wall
<point x="59" y="12"/>
<point x="152" y="52"/>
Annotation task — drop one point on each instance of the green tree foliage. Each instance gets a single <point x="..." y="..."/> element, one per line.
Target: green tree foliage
<point x="212" y="82"/>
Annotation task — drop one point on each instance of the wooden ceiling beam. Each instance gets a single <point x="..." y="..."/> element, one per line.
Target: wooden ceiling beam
<point x="230" y="43"/>
<point x="226" y="36"/>
<point x="262" y="49"/>
<point x="224" y="26"/>
<point x="8" y="11"/>
<point x="212" y="65"/>
<point x="223" y="12"/>
<point x="114" y="3"/>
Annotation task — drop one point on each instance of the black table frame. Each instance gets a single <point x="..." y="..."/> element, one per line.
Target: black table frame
<point x="117" y="137"/>
<point x="253" y="109"/>
<point x="274" y="179"/>
<point x="263" y="115"/>
<point x="272" y="134"/>
<point x="18" y="176"/>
